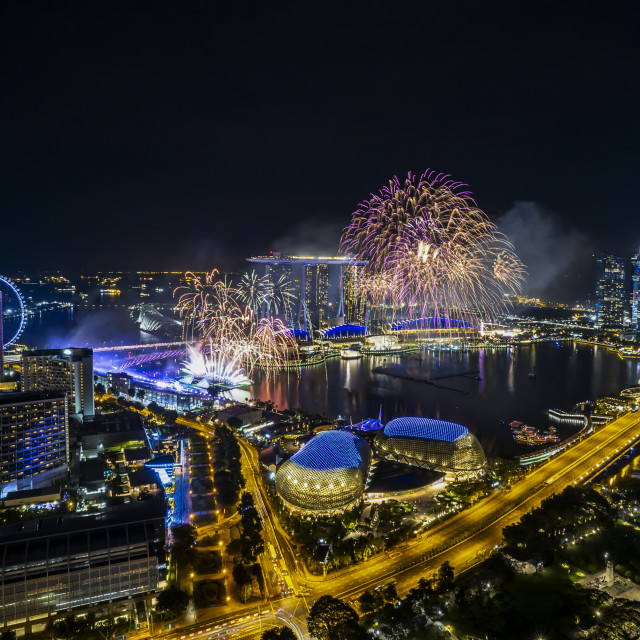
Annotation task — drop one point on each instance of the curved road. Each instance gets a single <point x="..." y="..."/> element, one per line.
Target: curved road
<point x="464" y="539"/>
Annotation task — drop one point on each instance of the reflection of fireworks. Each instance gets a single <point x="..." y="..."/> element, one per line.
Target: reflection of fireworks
<point x="236" y="341"/>
<point x="429" y="246"/>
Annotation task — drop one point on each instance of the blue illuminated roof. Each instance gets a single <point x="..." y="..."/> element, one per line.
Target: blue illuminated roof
<point x="331" y="450"/>
<point x="345" y="331"/>
<point x="299" y="333"/>
<point x="425" y="428"/>
<point x="430" y="323"/>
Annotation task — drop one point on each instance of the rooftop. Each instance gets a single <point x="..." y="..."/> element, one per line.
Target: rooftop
<point x="20" y="397"/>
<point x="276" y="258"/>
<point x="426" y="428"/>
<point x="330" y="450"/>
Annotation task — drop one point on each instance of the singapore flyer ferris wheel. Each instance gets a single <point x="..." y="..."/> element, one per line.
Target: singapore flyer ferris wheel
<point x="11" y="294"/>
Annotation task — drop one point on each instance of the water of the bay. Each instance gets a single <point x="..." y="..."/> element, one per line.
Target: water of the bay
<point x="565" y="373"/>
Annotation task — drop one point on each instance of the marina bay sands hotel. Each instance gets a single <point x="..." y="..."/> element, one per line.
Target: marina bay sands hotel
<point x="325" y="288"/>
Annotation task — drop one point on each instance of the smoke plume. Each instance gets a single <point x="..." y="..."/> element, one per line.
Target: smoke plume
<point x="318" y="236"/>
<point x="558" y="260"/>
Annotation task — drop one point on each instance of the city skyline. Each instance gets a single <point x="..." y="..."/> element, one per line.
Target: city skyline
<point x="319" y="321"/>
<point x="105" y="166"/>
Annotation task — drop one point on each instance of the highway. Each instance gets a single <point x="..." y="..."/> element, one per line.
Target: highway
<point x="473" y="533"/>
<point x="464" y="540"/>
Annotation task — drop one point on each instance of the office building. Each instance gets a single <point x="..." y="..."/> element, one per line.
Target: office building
<point x="72" y="562"/>
<point x="69" y="370"/>
<point x="610" y="291"/>
<point x="34" y="439"/>
<point x="635" y="292"/>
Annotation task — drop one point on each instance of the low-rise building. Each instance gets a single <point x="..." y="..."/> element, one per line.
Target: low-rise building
<point x="135" y="458"/>
<point x="244" y="413"/>
<point x="32" y="497"/>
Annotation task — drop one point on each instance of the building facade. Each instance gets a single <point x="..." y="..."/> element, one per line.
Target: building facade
<point x="432" y="444"/>
<point x="327" y="475"/>
<point x="34" y="439"/>
<point x="69" y="370"/>
<point x="610" y="291"/>
<point x="324" y="288"/>
<point x="75" y="562"/>
<point x="635" y="291"/>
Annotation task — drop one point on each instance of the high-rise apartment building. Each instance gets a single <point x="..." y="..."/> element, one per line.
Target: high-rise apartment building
<point x="635" y="292"/>
<point x="69" y="370"/>
<point x="610" y="291"/>
<point x="34" y="439"/>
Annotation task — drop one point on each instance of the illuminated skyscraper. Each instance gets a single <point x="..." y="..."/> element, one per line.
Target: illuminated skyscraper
<point x="34" y="439"/>
<point x="69" y="370"/>
<point x="317" y="295"/>
<point x="610" y="292"/>
<point x="635" y="293"/>
<point x="325" y="288"/>
<point x="352" y="299"/>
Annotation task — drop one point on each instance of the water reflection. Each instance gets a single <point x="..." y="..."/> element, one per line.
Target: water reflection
<point x="504" y="392"/>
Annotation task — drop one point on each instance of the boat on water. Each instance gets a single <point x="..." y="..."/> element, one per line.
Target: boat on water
<point x="350" y="354"/>
<point x="525" y="434"/>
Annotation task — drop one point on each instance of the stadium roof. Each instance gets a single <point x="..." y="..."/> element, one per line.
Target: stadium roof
<point x="427" y="428"/>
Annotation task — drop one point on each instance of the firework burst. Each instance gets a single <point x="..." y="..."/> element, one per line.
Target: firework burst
<point x="235" y="342"/>
<point x="431" y="250"/>
<point x="281" y="296"/>
<point x="252" y="290"/>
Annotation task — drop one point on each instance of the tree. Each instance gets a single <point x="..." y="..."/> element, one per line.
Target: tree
<point x="8" y="635"/>
<point x="235" y="548"/>
<point x="240" y="574"/>
<point x="389" y="593"/>
<point x="132" y="392"/>
<point x="154" y="407"/>
<point x="618" y="621"/>
<point x="257" y="572"/>
<point x="367" y="602"/>
<point x="445" y="577"/>
<point x="183" y="550"/>
<point x="169" y="415"/>
<point x="234" y="423"/>
<point x="245" y="591"/>
<point x="68" y="628"/>
<point x="331" y="619"/>
<point x="173" y="602"/>
<point x="100" y="389"/>
<point x="505" y="470"/>
<point x="278" y="633"/>
<point x="110" y="627"/>
<point x="140" y="394"/>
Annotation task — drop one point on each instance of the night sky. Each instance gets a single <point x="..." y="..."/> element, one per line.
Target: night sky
<point x="192" y="134"/>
